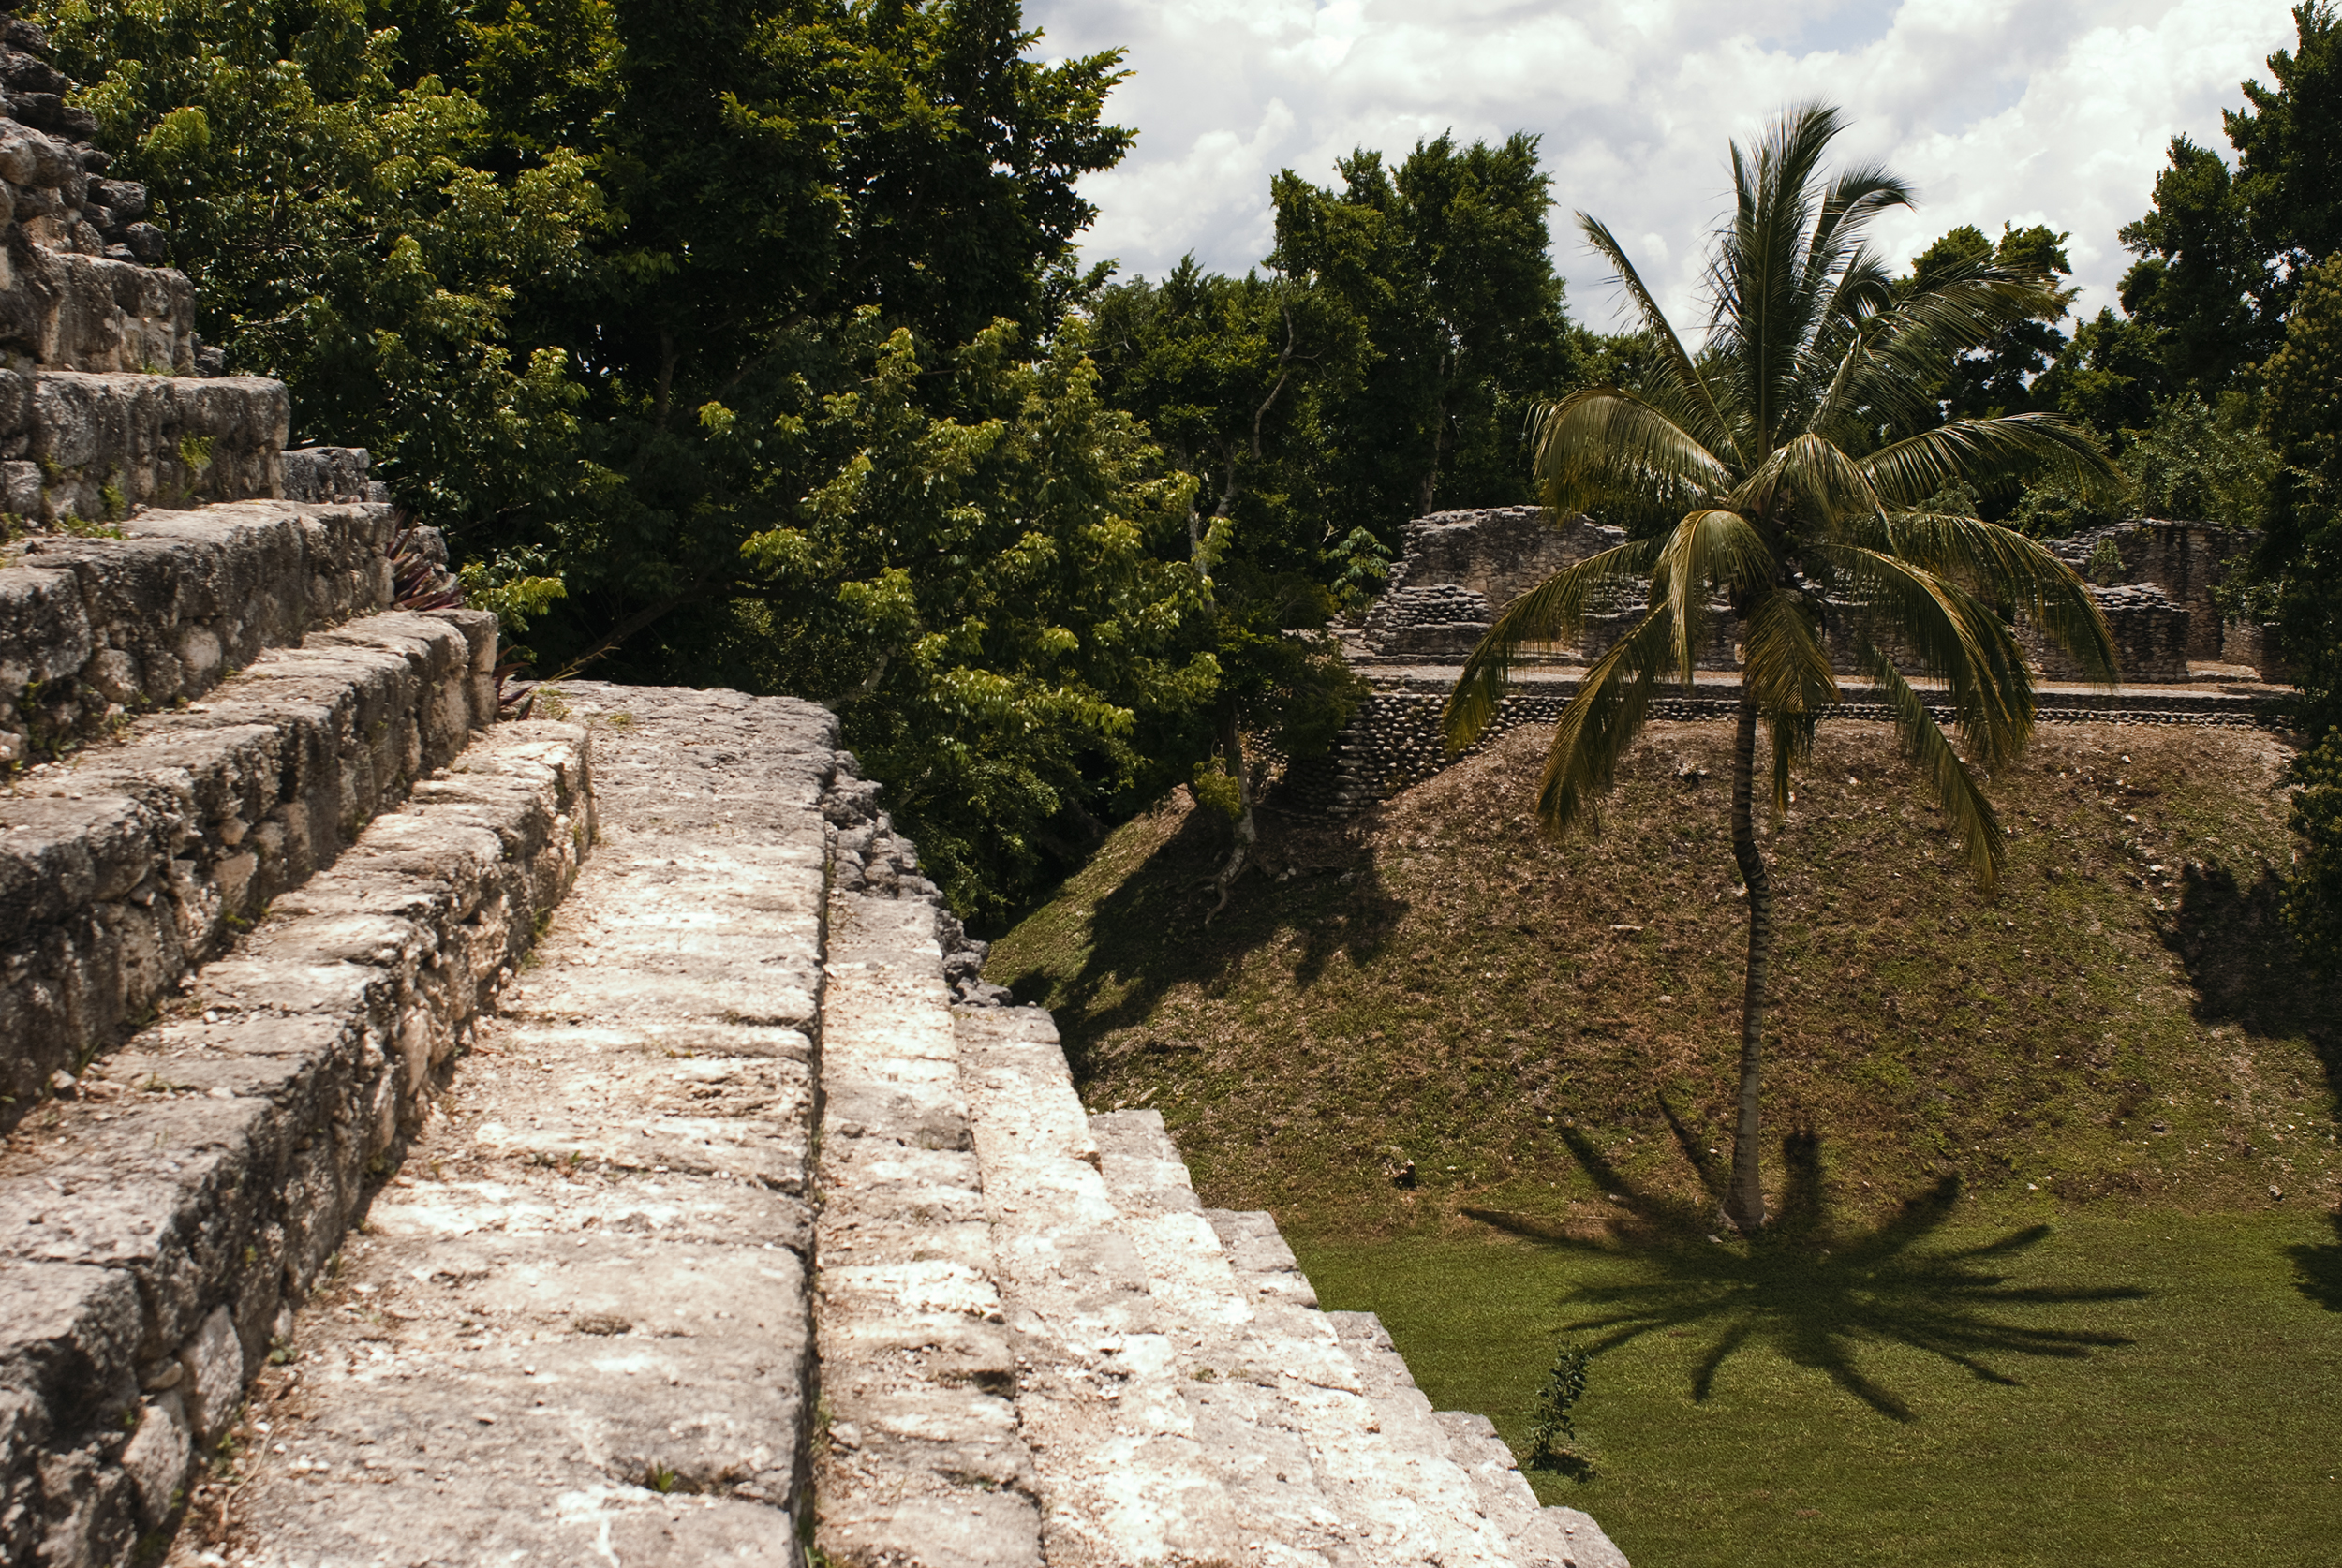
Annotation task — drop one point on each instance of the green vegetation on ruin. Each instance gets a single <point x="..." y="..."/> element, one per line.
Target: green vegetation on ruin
<point x="2119" y="1046"/>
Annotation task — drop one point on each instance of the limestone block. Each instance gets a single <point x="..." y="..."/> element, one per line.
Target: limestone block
<point x="167" y="611"/>
<point x="45" y="632"/>
<point x="327" y="474"/>
<point x="214" y="1359"/>
<point x="158" y="1456"/>
<point x="120" y="873"/>
<point x="109" y="442"/>
<point x="215" y="1163"/>
<point x="69" y="311"/>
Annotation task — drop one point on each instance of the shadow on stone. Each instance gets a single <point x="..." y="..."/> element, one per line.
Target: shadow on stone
<point x="1816" y="1289"/>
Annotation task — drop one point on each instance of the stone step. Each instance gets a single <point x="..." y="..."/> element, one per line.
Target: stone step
<point x="94" y="313"/>
<point x="576" y="1327"/>
<point x="1123" y="1471"/>
<point x="1386" y="1495"/>
<point x="130" y="862"/>
<point x="92" y="628"/>
<point x="922" y="1461"/>
<point x="154" y="1228"/>
<point x="1538" y="1537"/>
<point x="91" y="445"/>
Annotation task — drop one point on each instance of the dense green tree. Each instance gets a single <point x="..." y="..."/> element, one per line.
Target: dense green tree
<point x="346" y="235"/>
<point x="2289" y="151"/>
<point x="2300" y="574"/>
<point x="1445" y="265"/>
<point x="2001" y="376"/>
<point x="2222" y="252"/>
<point x="2202" y="282"/>
<point x="1232" y="375"/>
<point x="995" y="602"/>
<point x="1804" y="538"/>
<point x="725" y="341"/>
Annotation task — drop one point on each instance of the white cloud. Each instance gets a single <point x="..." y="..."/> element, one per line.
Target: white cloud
<point x="1997" y="109"/>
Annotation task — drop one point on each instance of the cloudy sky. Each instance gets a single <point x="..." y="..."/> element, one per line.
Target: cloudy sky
<point x="1997" y="109"/>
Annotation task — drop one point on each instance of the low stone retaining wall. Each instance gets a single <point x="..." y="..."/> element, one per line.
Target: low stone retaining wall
<point x="125" y="866"/>
<point x="1394" y="742"/>
<point x="157" y="1225"/>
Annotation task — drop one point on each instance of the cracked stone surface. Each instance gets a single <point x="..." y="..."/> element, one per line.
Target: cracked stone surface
<point x="575" y="1327"/>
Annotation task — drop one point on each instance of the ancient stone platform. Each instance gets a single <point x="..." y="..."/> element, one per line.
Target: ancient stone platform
<point x="701" y="1211"/>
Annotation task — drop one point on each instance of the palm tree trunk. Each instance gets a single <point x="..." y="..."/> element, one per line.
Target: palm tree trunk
<point x="1745" y="1203"/>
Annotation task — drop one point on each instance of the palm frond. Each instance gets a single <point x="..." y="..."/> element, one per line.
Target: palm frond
<point x="1853" y="199"/>
<point x="1785" y="670"/>
<point x="1902" y="349"/>
<point x="1602" y="443"/>
<point x="1784" y="664"/>
<point x="1710" y="548"/>
<point x="1947" y="634"/>
<point x="1966" y="809"/>
<point x="2002" y="565"/>
<point x="1984" y="452"/>
<point x="1713" y="431"/>
<point x="1599" y="724"/>
<point x="1828" y="484"/>
<point x="1863" y="290"/>
<point x="1792" y="738"/>
<point x="1552" y="611"/>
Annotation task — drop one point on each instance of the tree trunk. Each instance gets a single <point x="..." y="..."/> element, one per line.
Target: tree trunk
<point x="1247" y="831"/>
<point x="1744" y="1201"/>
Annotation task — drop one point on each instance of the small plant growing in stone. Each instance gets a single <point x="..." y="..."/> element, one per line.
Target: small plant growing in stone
<point x="2106" y="565"/>
<point x="1553" y="1438"/>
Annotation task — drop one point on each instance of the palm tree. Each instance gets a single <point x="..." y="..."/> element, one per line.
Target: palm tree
<point x="1782" y="505"/>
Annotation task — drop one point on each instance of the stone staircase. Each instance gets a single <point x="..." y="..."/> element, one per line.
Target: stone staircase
<point x="431" y="1139"/>
<point x="696" y="1215"/>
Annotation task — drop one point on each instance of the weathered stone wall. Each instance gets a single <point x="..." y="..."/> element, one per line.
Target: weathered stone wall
<point x="94" y="313"/>
<point x="2185" y="560"/>
<point x="1459" y="568"/>
<point x="74" y="445"/>
<point x="81" y="287"/>
<point x="156" y="1227"/>
<point x="2153" y="637"/>
<point x="332" y="474"/>
<point x="91" y="629"/>
<point x="125" y="866"/>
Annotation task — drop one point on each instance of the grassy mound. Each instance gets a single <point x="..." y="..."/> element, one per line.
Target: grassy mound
<point x="1437" y="986"/>
<point x="2053" y="1275"/>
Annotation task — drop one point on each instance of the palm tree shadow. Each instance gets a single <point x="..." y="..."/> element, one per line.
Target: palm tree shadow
<point x="1819" y="1291"/>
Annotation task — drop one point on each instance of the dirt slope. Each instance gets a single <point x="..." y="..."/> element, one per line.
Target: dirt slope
<point x="1435" y="984"/>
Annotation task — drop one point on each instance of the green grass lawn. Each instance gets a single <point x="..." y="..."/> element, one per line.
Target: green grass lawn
<point x="2212" y="1435"/>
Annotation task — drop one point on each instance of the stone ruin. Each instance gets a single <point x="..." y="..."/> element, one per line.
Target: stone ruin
<point x="1459" y="568"/>
<point x="426" y="1137"/>
<point x="2181" y="659"/>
